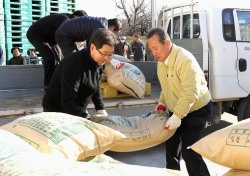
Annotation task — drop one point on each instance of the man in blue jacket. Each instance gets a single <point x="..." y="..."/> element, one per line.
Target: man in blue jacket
<point x="42" y="36"/>
<point x="77" y="78"/>
<point x="80" y="29"/>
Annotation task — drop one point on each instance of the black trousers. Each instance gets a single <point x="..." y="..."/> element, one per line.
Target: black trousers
<point x="66" y="43"/>
<point x="187" y="134"/>
<point x="47" y="52"/>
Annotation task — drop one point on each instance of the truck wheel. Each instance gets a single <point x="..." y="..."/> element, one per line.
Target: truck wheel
<point x="244" y="109"/>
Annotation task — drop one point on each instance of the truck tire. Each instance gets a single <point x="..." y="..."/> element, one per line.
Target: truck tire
<point x="244" y="109"/>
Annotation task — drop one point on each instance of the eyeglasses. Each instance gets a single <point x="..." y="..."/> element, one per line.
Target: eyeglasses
<point x="105" y="55"/>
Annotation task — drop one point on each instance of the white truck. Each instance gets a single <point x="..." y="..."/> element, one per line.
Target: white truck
<point x="220" y="41"/>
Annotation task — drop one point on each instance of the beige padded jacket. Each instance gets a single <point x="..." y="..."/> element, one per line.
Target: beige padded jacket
<point x="183" y="84"/>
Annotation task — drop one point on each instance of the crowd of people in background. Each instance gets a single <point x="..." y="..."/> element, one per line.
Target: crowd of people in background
<point x="137" y="50"/>
<point x="66" y="33"/>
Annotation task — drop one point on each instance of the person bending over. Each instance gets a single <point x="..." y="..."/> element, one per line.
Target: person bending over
<point x="76" y="80"/>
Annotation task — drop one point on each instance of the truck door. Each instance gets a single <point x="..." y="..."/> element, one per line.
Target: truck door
<point x="242" y="34"/>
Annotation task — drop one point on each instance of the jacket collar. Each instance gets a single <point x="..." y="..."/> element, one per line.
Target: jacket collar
<point x="172" y="55"/>
<point x="90" y="61"/>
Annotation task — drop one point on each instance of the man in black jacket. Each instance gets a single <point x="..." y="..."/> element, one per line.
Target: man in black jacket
<point x="42" y="36"/>
<point x="77" y="78"/>
<point x="80" y="29"/>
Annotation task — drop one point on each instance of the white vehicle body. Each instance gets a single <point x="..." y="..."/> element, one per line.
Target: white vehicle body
<point x="220" y="41"/>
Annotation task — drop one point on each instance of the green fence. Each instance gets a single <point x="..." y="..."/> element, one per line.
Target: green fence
<point x="16" y="16"/>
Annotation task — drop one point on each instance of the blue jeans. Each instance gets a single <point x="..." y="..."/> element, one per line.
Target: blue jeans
<point x="187" y="134"/>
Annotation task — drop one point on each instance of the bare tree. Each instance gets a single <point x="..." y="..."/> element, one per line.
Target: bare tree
<point x="137" y="15"/>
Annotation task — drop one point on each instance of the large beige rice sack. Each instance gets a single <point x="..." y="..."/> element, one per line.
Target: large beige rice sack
<point x="11" y="145"/>
<point x="142" y="132"/>
<point x="38" y="164"/>
<point x="129" y="79"/>
<point x="64" y="135"/>
<point x="229" y="146"/>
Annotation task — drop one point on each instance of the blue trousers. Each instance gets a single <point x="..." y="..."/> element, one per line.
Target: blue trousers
<point x="187" y="134"/>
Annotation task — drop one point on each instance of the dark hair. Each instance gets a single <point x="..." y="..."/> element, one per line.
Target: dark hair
<point x="29" y="50"/>
<point x="115" y="23"/>
<point x="101" y="37"/>
<point x="12" y="49"/>
<point x="159" y="32"/>
<point x="80" y="13"/>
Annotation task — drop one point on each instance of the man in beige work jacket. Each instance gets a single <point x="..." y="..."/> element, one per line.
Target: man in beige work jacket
<point x="185" y="94"/>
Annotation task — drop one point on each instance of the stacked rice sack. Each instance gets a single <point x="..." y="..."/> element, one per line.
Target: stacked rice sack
<point x="229" y="147"/>
<point x="61" y="140"/>
<point x="64" y="135"/>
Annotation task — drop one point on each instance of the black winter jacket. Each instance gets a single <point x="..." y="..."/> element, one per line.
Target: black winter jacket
<point x="75" y="81"/>
<point x="47" y="26"/>
<point x="18" y="60"/>
<point x="81" y="28"/>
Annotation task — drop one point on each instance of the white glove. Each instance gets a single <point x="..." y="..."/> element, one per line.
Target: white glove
<point x="117" y="64"/>
<point x="101" y="112"/>
<point x="173" y="122"/>
<point x="161" y="106"/>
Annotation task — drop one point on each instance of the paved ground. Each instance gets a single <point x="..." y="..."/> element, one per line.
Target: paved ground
<point x="17" y="101"/>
